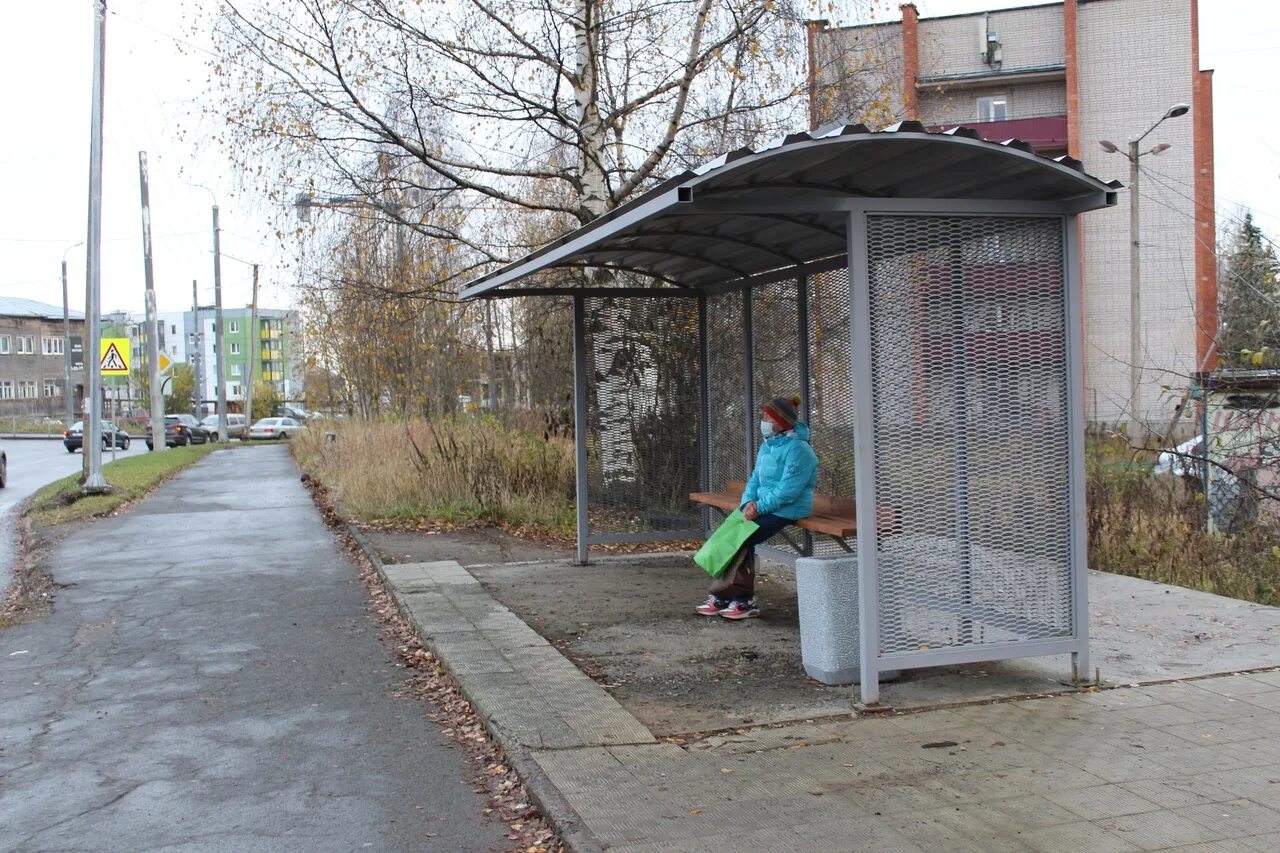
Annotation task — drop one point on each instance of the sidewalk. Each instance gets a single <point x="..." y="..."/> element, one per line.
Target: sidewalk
<point x="211" y="679"/>
<point x="1192" y="764"/>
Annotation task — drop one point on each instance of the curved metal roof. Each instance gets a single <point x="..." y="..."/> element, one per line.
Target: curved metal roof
<point x="756" y="213"/>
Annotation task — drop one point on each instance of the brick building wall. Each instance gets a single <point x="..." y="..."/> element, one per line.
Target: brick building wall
<point x="1029" y="37"/>
<point x="32" y="369"/>
<point x="948" y="105"/>
<point x="1133" y="59"/>
<point x="1135" y="62"/>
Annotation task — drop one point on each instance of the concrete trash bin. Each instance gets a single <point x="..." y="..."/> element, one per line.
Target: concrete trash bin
<point x="827" y="588"/>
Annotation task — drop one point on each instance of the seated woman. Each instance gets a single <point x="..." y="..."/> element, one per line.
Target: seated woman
<point x="779" y="493"/>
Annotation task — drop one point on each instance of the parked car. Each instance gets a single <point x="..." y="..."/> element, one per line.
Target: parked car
<point x="298" y="413"/>
<point x="180" y="430"/>
<point x="235" y="426"/>
<point x="73" y="439"/>
<point x="274" y="428"/>
<point x="4" y="468"/>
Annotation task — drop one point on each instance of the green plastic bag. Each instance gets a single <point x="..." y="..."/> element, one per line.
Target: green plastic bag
<point x="718" y="551"/>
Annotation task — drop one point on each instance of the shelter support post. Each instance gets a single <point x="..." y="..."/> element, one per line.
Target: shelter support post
<point x="704" y="408"/>
<point x="580" y="420"/>
<point x="748" y="380"/>
<point x="806" y="410"/>
<point x="864" y="459"/>
<point x="1075" y="448"/>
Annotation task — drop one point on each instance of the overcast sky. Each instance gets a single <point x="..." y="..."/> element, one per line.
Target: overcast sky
<point x="155" y="76"/>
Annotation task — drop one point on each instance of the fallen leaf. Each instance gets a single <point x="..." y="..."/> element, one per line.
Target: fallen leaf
<point x="695" y="811"/>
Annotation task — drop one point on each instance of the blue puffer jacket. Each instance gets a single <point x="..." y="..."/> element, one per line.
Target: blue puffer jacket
<point x="785" y="475"/>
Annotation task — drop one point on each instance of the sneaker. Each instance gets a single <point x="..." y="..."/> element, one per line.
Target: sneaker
<point x="741" y="610"/>
<point x="712" y="606"/>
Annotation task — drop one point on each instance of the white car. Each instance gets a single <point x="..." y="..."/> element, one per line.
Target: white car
<point x="274" y="428"/>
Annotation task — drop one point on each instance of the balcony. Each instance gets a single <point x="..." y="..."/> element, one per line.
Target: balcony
<point x="1047" y="134"/>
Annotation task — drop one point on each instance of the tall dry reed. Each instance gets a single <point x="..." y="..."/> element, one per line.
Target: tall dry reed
<point x="457" y="470"/>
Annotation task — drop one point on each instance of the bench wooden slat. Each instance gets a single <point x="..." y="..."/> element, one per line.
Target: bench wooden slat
<point x="719" y="500"/>
<point x="844" y="528"/>
<point x="832" y="515"/>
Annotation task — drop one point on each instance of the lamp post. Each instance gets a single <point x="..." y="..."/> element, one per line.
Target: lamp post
<point x="68" y="395"/>
<point x="1136" y="427"/>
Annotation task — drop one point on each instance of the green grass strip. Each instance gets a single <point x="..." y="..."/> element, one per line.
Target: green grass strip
<point x="130" y="478"/>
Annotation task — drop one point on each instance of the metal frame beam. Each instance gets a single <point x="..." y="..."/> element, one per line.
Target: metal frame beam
<point x="704" y="405"/>
<point x="864" y="455"/>
<point x="580" y="422"/>
<point x="1075" y="446"/>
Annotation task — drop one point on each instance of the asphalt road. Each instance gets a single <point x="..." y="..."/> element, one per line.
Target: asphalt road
<point x="33" y="462"/>
<point x="211" y="679"/>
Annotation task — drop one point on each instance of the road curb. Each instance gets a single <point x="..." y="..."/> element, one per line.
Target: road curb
<point x="568" y="824"/>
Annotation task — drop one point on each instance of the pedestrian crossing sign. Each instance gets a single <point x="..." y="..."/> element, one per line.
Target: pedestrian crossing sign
<point x="114" y="358"/>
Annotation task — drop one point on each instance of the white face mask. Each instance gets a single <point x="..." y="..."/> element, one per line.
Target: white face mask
<point x="766" y="428"/>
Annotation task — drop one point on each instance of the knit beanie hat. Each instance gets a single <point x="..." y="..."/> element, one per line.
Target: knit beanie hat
<point x="783" y="411"/>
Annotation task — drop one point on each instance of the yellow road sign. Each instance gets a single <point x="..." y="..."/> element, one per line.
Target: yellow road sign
<point x="165" y="363"/>
<point x="113" y="359"/>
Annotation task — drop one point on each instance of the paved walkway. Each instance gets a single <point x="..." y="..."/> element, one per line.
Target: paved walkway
<point x="210" y="679"/>
<point x="1189" y="765"/>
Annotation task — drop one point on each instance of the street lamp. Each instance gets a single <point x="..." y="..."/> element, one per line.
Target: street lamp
<point x="66" y="341"/>
<point x="1135" y="263"/>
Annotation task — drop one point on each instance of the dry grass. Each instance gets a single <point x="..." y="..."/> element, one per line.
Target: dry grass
<point x="460" y="471"/>
<point x="1153" y="527"/>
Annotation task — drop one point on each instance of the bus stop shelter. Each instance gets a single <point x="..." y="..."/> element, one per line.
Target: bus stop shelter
<point x="921" y="291"/>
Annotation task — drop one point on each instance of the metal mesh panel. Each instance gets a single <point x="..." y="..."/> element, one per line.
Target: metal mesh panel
<point x="642" y="410"/>
<point x="830" y="390"/>
<point x="968" y="343"/>
<point x="726" y="391"/>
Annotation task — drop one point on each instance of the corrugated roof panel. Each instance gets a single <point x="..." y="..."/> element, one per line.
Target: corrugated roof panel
<point x="663" y="231"/>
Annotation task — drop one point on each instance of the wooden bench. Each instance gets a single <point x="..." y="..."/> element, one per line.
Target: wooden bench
<point x="831" y="515"/>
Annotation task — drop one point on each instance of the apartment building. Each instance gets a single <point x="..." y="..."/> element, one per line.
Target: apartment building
<point x="1067" y="77"/>
<point x="33" y="360"/>
<point x="270" y="354"/>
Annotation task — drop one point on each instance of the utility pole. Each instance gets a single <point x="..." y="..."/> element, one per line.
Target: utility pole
<point x="219" y="351"/>
<point x="153" y="327"/>
<point x="67" y="390"/>
<point x="1136" y="428"/>
<point x="197" y="354"/>
<point x="255" y="351"/>
<point x="94" y="481"/>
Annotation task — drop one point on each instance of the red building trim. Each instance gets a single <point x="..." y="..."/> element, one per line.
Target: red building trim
<point x="1206" y="224"/>
<point x="910" y="60"/>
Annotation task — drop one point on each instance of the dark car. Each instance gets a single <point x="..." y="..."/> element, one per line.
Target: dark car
<point x="73" y="439"/>
<point x="180" y="430"/>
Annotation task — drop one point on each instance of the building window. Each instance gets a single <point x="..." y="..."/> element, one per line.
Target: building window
<point x="26" y="345"/>
<point x="4" y="344"/>
<point x="52" y="388"/>
<point x="234" y="327"/>
<point x="237" y="369"/>
<point x="52" y="346"/>
<point x="235" y="346"/>
<point x="994" y="108"/>
<point x="27" y="389"/>
<point x="235" y="390"/>
<point x="173" y="330"/>
<point x="6" y="389"/>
